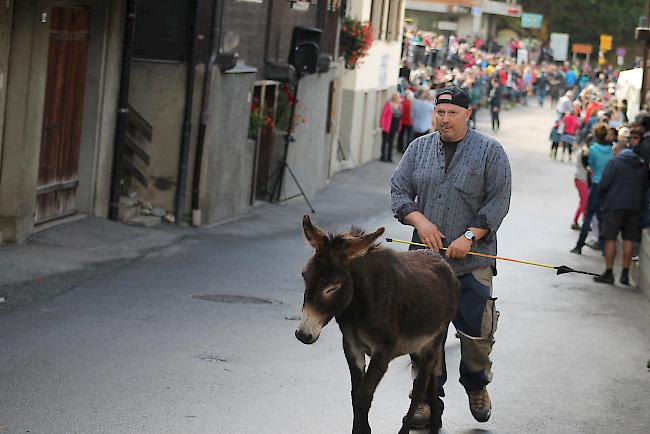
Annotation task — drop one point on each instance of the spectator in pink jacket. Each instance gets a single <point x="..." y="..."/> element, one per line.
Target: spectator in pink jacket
<point x="568" y="127"/>
<point x="390" y="122"/>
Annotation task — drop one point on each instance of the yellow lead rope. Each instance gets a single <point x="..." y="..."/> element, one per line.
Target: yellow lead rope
<point x="392" y="240"/>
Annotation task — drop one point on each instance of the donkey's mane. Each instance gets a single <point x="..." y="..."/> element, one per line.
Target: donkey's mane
<point x="339" y="239"/>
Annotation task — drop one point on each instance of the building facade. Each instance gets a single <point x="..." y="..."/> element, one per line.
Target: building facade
<point x="464" y="18"/>
<point x="59" y="68"/>
<point x="366" y="88"/>
<point x="156" y="107"/>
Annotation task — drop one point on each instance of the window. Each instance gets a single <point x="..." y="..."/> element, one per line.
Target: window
<point x="377" y="17"/>
<point x="393" y="26"/>
<point x="385" y="16"/>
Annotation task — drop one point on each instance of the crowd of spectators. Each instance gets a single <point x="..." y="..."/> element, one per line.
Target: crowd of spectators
<point x="612" y="168"/>
<point x="494" y="76"/>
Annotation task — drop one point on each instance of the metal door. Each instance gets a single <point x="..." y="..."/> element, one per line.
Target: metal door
<point x="58" y="173"/>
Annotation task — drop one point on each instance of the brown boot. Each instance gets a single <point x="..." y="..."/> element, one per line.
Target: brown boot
<point x="480" y="405"/>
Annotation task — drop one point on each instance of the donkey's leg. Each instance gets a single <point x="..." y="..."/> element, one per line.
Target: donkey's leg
<point x="419" y="389"/>
<point x="356" y="363"/>
<point x="435" y="402"/>
<point x="363" y="398"/>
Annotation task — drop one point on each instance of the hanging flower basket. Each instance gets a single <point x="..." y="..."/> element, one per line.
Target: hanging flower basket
<point x="355" y="41"/>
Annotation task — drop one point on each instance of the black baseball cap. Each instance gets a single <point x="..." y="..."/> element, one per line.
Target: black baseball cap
<point x="452" y="95"/>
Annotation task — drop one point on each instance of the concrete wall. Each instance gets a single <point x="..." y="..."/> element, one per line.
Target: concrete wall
<point x="248" y="21"/>
<point x="22" y="133"/>
<point x="643" y="271"/>
<point x="21" y="139"/>
<point x="157" y="92"/>
<point x="105" y="134"/>
<point x="360" y="129"/>
<point x="226" y="180"/>
<point x="309" y="155"/>
<point x="100" y="105"/>
<point x="6" y="16"/>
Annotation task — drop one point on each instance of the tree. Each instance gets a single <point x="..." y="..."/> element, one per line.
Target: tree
<point x="586" y="20"/>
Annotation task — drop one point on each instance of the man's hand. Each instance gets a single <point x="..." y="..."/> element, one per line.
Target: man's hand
<point x="459" y="247"/>
<point x="430" y="235"/>
<point x="428" y="232"/>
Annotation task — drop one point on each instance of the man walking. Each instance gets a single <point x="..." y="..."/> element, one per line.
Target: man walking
<point x="422" y="114"/>
<point x="622" y="187"/>
<point x="542" y="85"/>
<point x="494" y="103"/>
<point x="453" y="187"/>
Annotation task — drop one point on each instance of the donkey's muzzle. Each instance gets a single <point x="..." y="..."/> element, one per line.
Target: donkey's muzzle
<point x="311" y="324"/>
<point x="305" y="338"/>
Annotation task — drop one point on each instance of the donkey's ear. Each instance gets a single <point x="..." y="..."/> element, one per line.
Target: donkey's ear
<point x="315" y="237"/>
<point x="360" y="245"/>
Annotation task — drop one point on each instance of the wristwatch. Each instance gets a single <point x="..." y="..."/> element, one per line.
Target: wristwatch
<point x="470" y="235"/>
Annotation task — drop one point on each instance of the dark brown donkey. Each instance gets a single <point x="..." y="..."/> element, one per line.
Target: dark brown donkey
<point x="387" y="304"/>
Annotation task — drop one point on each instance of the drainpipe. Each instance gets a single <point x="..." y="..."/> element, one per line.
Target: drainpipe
<point x="181" y="184"/>
<point x="214" y="47"/>
<point x="122" y="110"/>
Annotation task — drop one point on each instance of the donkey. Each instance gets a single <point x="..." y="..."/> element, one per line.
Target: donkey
<point x="387" y="304"/>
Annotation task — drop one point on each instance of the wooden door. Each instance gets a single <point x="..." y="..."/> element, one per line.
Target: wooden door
<point x="58" y="172"/>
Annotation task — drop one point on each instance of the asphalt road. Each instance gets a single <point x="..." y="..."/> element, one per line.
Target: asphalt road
<point x="198" y="337"/>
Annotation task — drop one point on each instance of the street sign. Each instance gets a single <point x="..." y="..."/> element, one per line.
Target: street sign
<point x="560" y="46"/>
<point x="515" y="11"/>
<point x="531" y="21"/>
<point x="448" y="25"/>
<point x="582" y="48"/>
<point x="605" y="43"/>
<point x="522" y="56"/>
<point x="476" y="11"/>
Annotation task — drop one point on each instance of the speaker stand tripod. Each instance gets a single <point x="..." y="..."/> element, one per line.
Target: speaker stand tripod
<point x="276" y="191"/>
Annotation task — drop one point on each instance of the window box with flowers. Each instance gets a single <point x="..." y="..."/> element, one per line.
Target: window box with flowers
<point x="355" y="41"/>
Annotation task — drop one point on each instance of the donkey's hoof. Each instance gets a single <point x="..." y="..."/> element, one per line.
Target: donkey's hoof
<point x="435" y="422"/>
<point x="361" y="430"/>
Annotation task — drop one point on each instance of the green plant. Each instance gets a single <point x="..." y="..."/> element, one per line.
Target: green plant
<point x="260" y="116"/>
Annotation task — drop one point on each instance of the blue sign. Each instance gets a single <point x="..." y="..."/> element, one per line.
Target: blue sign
<point x="531" y="21"/>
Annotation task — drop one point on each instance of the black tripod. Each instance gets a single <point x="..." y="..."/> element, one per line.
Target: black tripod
<point x="276" y="191"/>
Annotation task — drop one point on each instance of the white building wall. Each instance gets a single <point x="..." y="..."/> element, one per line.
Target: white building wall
<point x="366" y="88"/>
<point x="465" y="26"/>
